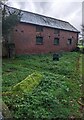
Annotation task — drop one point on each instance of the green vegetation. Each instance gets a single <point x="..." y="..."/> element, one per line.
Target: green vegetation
<point x="81" y="47"/>
<point x="56" y="90"/>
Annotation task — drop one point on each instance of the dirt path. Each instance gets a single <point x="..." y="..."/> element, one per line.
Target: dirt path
<point x="81" y="72"/>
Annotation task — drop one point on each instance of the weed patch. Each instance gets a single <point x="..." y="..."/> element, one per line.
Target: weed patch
<point x="55" y="94"/>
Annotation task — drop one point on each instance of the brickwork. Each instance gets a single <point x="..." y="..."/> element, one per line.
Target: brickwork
<point x="24" y="37"/>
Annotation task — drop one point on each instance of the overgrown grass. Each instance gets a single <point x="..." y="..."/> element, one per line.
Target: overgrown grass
<point x="56" y="95"/>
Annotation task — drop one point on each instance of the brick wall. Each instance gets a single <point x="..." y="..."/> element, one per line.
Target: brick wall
<point x="24" y="36"/>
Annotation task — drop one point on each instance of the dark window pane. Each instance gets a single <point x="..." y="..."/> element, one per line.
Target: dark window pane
<point x="69" y="41"/>
<point x="56" y="41"/>
<point x="39" y="28"/>
<point x="39" y="40"/>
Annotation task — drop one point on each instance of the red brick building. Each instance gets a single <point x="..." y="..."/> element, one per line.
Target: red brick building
<point x="41" y="34"/>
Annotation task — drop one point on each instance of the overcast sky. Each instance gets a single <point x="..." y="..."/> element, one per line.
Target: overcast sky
<point x="60" y="9"/>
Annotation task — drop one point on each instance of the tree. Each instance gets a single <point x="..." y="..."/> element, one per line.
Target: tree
<point x="10" y="18"/>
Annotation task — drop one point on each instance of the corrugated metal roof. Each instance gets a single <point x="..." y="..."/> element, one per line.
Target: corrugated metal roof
<point x="33" y="18"/>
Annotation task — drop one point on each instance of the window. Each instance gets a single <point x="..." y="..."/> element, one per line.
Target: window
<point x="69" y="42"/>
<point x="56" y="31"/>
<point x="39" y="40"/>
<point x="39" y="28"/>
<point x="56" y="41"/>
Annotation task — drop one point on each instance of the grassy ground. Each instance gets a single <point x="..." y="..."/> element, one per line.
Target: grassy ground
<point x="56" y="95"/>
